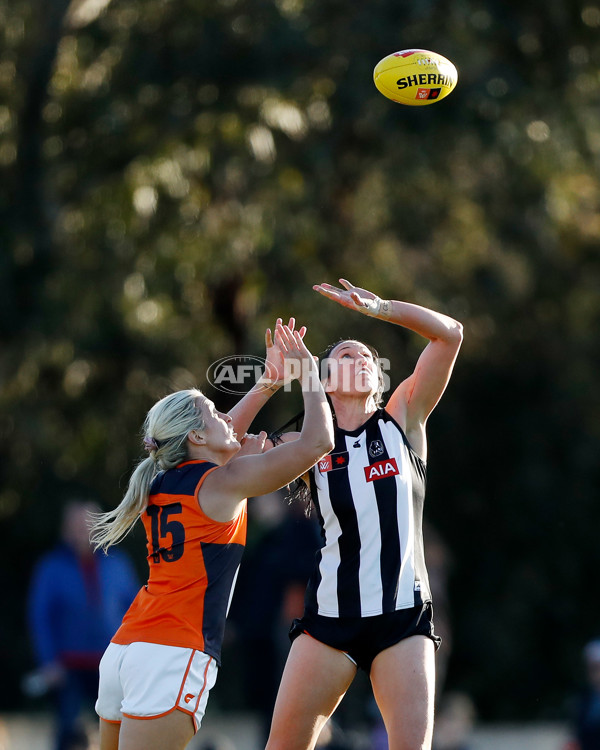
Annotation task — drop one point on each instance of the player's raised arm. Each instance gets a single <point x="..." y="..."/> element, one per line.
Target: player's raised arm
<point x="416" y="397"/>
<point x="272" y="379"/>
<point x="250" y="475"/>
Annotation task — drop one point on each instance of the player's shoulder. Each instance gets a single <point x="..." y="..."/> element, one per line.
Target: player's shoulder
<point x="182" y="479"/>
<point x="385" y="416"/>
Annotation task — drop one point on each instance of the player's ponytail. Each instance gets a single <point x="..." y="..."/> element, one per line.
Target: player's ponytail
<point x="166" y="428"/>
<point x="297" y="491"/>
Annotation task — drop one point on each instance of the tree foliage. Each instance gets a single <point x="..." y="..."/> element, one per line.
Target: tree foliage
<point x="178" y="173"/>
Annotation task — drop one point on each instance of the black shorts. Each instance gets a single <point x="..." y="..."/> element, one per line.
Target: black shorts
<point x="362" y="638"/>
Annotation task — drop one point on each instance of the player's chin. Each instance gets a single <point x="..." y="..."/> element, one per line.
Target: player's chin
<point x="365" y="383"/>
<point x="232" y="448"/>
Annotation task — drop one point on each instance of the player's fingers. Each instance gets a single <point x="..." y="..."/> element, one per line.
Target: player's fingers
<point x="293" y="344"/>
<point x="302" y="331"/>
<point x="301" y="345"/>
<point x="331" y="293"/>
<point x="289" y="335"/>
<point x="268" y="338"/>
<point x="346" y="284"/>
<point x="279" y="339"/>
<point x="277" y="323"/>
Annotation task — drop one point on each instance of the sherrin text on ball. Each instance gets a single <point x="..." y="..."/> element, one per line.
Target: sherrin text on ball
<point x="415" y="77"/>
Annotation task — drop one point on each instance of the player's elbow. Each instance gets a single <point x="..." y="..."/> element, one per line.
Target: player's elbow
<point x="326" y="445"/>
<point x="326" y="440"/>
<point x="318" y="446"/>
<point x="455" y="333"/>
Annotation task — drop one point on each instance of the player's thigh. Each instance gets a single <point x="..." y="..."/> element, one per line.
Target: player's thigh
<point x="170" y="732"/>
<point x="315" y="679"/>
<point x="403" y="679"/>
<point x="109" y="735"/>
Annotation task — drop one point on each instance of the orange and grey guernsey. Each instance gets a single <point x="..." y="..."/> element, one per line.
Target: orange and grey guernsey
<point x="193" y="563"/>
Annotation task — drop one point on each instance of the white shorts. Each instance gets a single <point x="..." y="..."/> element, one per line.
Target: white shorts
<point x="147" y="680"/>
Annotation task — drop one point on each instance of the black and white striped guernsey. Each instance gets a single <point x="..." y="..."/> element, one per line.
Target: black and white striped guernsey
<point x="369" y="493"/>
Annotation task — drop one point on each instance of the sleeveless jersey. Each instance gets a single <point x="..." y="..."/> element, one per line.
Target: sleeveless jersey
<point x="193" y="564"/>
<point x="368" y="494"/>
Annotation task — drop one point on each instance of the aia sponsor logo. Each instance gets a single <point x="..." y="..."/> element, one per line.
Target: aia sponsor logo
<point x="333" y="461"/>
<point x="386" y="468"/>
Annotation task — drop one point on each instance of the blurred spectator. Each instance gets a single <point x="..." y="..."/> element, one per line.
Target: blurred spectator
<point x="454" y="722"/>
<point x="333" y="737"/>
<point x="587" y="712"/>
<point x="213" y="743"/>
<point x="75" y="604"/>
<point x="439" y="566"/>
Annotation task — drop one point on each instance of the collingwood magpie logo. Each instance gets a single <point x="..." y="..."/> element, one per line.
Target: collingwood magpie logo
<point x="375" y="448"/>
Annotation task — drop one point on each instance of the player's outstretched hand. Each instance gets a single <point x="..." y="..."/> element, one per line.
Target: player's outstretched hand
<point x="352" y="297"/>
<point x="299" y="363"/>
<point x="274" y="360"/>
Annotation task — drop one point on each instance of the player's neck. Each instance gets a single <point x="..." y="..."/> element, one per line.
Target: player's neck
<point x="351" y="413"/>
<point x="213" y="455"/>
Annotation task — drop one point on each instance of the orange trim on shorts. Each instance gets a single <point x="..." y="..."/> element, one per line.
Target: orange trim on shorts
<point x="110" y="721"/>
<point x="177" y="707"/>
<point x="149" y="718"/>
<point x="208" y="663"/>
<point x="187" y="671"/>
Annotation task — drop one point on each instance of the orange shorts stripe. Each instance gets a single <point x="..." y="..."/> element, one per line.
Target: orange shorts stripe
<point x="149" y="718"/>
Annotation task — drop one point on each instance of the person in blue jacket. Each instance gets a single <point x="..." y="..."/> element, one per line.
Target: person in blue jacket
<point x="76" y="601"/>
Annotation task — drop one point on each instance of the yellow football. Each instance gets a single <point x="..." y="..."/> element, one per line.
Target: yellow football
<point x="415" y="76"/>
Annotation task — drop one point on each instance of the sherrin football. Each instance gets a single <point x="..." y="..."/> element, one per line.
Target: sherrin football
<point x="415" y="76"/>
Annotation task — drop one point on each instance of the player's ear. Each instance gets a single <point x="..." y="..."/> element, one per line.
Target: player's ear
<point x="196" y="437"/>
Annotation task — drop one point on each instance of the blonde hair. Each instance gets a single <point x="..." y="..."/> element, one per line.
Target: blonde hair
<point x="165" y="430"/>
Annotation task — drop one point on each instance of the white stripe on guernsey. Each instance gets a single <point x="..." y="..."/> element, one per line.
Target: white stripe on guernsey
<point x="232" y="590"/>
<point x="406" y="521"/>
<point x="330" y="553"/>
<point x="365" y="504"/>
